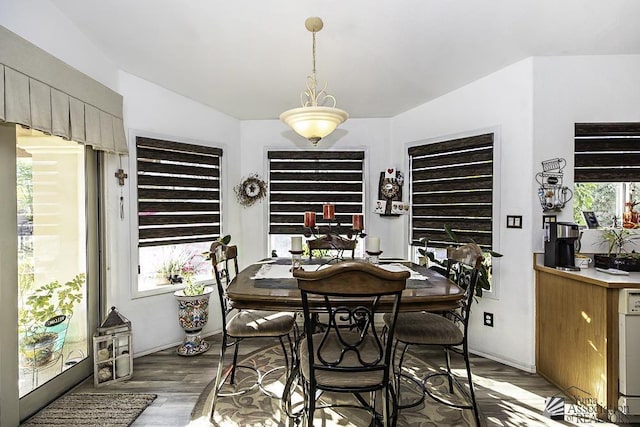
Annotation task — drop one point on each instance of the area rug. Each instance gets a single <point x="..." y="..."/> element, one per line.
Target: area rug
<point x="92" y="409"/>
<point x="257" y="408"/>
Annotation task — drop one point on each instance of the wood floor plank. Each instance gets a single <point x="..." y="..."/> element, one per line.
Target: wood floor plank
<point x="506" y="396"/>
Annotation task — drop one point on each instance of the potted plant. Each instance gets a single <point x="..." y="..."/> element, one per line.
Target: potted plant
<point x="617" y="240"/>
<point x="484" y="281"/>
<point x="193" y="303"/>
<point x="44" y="316"/>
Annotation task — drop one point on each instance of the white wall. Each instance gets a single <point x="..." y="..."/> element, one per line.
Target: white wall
<point x="533" y="105"/>
<point x="152" y="111"/>
<point x="502" y="103"/>
<point x="259" y="136"/>
<point x="42" y="24"/>
<point x="572" y="90"/>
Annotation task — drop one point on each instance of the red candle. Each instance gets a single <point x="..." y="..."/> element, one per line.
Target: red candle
<point x="358" y="222"/>
<point x="309" y="219"/>
<point x="329" y="211"/>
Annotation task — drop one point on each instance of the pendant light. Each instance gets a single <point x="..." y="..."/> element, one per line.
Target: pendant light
<point x="318" y="116"/>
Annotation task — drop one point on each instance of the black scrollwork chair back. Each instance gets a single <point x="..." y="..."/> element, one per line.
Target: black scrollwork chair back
<point x="346" y="353"/>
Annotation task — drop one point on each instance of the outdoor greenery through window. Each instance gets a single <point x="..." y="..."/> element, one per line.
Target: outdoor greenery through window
<point x="52" y="256"/>
<point x="606" y="171"/>
<point x="178" y="210"/>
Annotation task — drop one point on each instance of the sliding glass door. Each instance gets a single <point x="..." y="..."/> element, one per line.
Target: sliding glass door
<point x="56" y="228"/>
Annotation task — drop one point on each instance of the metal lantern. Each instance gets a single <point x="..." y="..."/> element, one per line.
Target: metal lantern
<point x="112" y="350"/>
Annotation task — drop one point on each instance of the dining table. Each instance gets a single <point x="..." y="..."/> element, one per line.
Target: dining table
<point x="269" y="285"/>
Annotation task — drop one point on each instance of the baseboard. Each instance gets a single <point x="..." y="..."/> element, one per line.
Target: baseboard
<point x="170" y="345"/>
<point x="527" y="368"/>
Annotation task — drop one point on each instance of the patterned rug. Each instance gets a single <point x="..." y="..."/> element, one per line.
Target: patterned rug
<point x="257" y="408"/>
<point x="92" y="409"/>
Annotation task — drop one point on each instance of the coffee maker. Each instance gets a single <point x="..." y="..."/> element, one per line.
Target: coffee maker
<point x="559" y="241"/>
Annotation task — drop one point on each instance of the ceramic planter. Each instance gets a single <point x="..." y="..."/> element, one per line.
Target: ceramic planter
<point x="193" y="313"/>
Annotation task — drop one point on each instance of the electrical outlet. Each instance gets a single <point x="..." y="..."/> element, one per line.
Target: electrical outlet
<point x="488" y="319"/>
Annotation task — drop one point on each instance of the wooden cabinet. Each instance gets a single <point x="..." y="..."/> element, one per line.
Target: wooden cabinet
<point x="577" y="331"/>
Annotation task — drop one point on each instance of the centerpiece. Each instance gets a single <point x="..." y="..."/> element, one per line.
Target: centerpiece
<point x="327" y="237"/>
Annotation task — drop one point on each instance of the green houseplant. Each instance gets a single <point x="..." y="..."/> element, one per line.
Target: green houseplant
<point x="46" y="307"/>
<point x="616" y="240"/>
<point x="484" y="281"/>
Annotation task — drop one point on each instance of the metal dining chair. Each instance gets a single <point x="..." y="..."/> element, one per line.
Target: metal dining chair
<point x="239" y="325"/>
<point x="448" y="330"/>
<point x="346" y="353"/>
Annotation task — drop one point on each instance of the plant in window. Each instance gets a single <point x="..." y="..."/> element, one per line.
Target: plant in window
<point x="617" y="239"/>
<point x="47" y="306"/>
<point x="484" y="281"/>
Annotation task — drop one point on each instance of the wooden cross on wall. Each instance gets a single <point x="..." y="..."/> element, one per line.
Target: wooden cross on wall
<point x="121" y="176"/>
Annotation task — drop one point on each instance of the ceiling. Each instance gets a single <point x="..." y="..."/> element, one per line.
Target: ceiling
<point x="250" y="58"/>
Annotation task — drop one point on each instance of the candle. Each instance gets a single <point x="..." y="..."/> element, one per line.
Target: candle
<point x="296" y="244"/>
<point x="358" y="222"/>
<point x="328" y="211"/>
<point x="373" y="244"/>
<point x="309" y="219"/>
<point x="123" y="365"/>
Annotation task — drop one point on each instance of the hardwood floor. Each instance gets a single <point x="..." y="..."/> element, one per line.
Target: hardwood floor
<point x="506" y="396"/>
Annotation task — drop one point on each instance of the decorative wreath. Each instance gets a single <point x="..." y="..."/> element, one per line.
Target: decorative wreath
<point x="250" y="190"/>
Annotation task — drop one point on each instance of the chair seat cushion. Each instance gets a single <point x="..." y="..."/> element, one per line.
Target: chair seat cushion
<point x="426" y="329"/>
<point x="258" y="323"/>
<point x="369" y="353"/>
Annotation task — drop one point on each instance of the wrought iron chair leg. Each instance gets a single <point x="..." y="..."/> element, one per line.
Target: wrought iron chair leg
<point x="217" y="384"/>
<point x="447" y="358"/>
<point x="472" y="393"/>
<point x="286" y="356"/>
<point x="235" y="362"/>
<point x="311" y="404"/>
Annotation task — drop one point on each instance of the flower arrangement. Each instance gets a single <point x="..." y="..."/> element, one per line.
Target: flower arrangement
<point x="188" y="272"/>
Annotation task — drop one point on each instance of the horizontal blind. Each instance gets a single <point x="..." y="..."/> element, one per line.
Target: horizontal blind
<point x="178" y="192"/>
<point x="301" y="181"/>
<point x="607" y="152"/>
<point x="452" y="185"/>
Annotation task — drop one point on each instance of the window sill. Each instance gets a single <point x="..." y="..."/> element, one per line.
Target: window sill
<point x="164" y="289"/>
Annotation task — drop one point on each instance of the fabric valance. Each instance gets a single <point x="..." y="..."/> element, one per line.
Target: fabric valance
<point x="41" y="92"/>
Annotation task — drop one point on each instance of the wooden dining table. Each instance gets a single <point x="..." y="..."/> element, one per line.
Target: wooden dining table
<point x="433" y="292"/>
<point x="428" y="291"/>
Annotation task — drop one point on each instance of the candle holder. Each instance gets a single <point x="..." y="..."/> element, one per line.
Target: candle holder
<point x="325" y="236"/>
<point x="296" y="260"/>
<point x="374" y="257"/>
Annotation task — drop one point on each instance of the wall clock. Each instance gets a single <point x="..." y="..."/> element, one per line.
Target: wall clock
<point x="389" y="188"/>
<point x="250" y="190"/>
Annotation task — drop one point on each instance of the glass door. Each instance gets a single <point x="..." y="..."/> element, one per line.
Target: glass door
<point x="54" y="209"/>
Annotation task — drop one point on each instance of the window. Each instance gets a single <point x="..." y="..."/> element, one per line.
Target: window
<point x="606" y="170"/>
<point x="178" y="209"/>
<point x="53" y="213"/>
<point x="452" y="185"/>
<point x="302" y="181"/>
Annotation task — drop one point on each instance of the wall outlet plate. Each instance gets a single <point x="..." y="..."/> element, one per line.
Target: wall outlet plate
<point x="488" y="319"/>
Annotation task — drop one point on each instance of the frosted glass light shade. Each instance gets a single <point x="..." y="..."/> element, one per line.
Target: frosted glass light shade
<point x="314" y="123"/>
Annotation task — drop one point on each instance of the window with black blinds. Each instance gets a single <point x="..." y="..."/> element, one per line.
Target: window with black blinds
<point x="607" y="152"/>
<point x="301" y="181"/>
<point x="178" y="192"/>
<point x="452" y="185"/>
